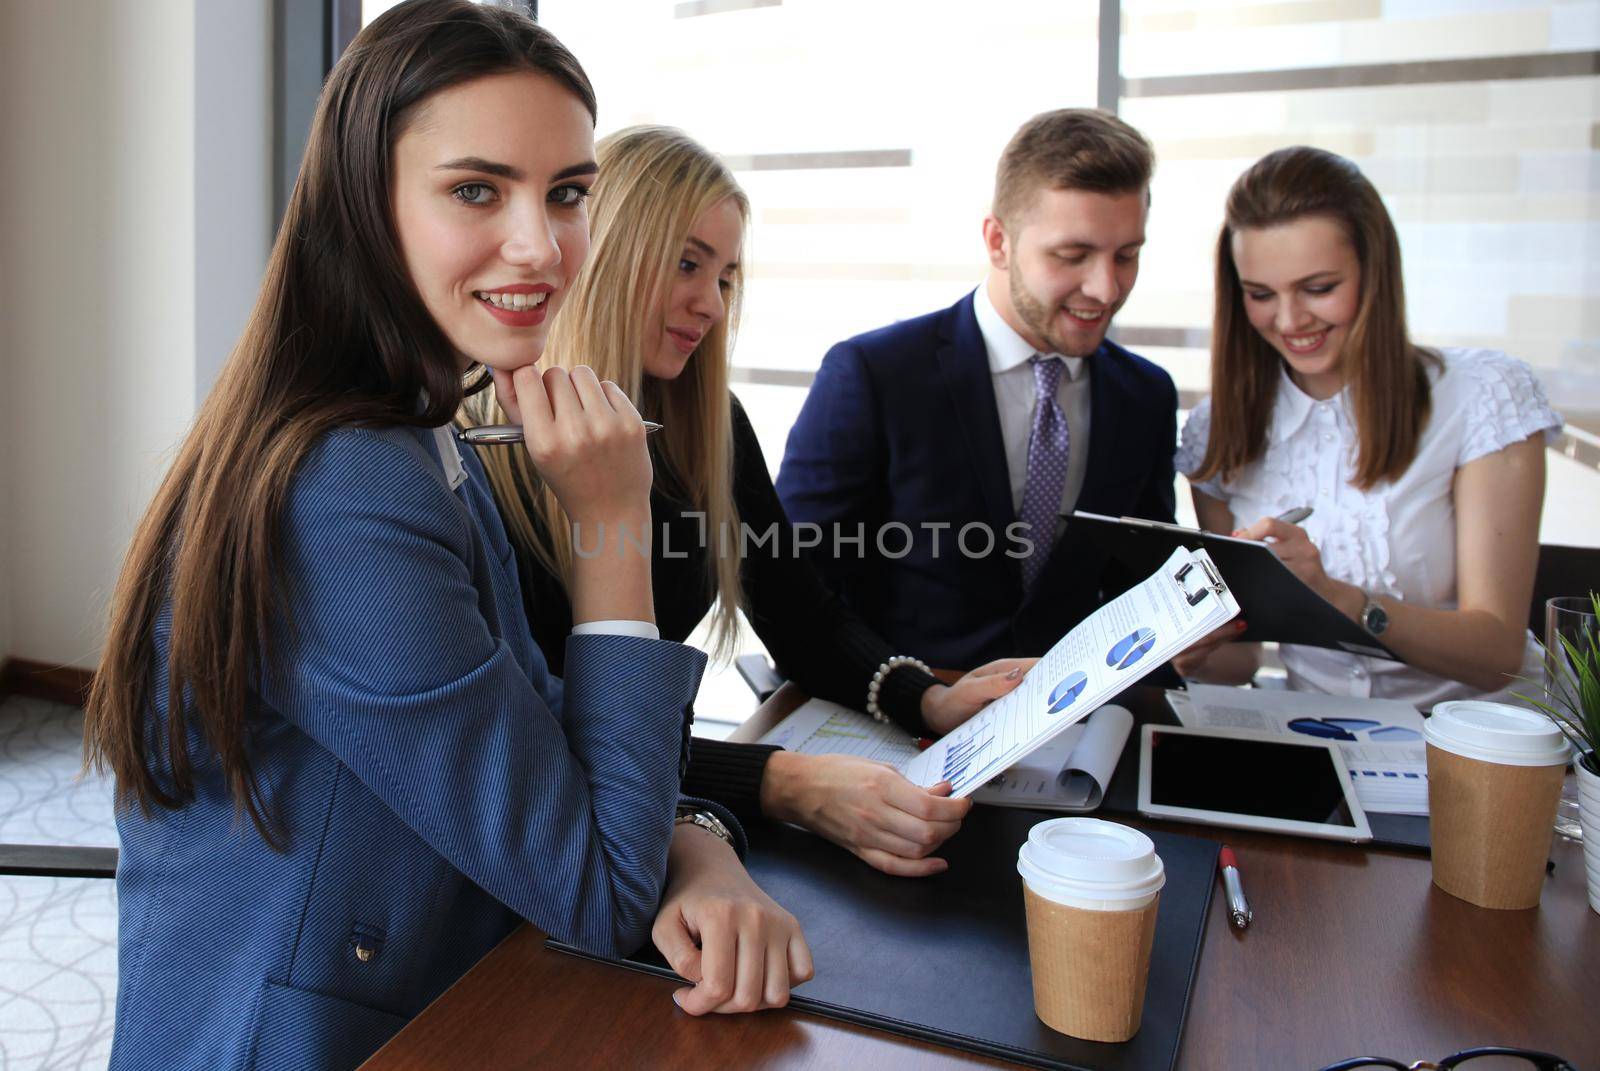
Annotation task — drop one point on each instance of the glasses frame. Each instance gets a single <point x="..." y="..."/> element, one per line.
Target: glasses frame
<point x="1537" y="1061"/>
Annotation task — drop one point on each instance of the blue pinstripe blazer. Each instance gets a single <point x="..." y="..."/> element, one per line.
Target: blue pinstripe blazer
<point x="436" y="783"/>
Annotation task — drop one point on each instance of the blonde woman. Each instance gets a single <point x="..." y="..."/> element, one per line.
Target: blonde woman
<point x="654" y="311"/>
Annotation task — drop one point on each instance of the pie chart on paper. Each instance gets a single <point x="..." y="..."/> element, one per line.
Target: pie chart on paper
<point x="1066" y="693"/>
<point x="1132" y="647"/>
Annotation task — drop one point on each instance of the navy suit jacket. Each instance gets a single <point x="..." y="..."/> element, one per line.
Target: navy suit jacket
<point x="901" y="425"/>
<point x="436" y="784"/>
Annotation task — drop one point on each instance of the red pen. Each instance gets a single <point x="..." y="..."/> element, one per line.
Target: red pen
<point x="1238" y="907"/>
<point x="924" y="743"/>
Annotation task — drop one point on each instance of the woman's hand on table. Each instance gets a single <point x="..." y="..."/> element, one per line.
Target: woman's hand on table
<point x="865" y="807"/>
<point x="720" y="931"/>
<point x="946" y="706"/>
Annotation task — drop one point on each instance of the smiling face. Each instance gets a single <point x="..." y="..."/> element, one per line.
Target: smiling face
<point x="699" y="289"/>
<point x="487" y="194"/>
<point x="1065" y="267"/>
<point x="1302" y="289"/>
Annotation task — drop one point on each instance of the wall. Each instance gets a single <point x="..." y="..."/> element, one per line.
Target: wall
<point x="106" y="194"/>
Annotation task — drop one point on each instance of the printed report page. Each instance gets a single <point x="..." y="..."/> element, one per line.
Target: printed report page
<point x="1108" y="651"/>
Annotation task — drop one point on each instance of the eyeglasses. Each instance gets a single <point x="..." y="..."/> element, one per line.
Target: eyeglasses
<point x="1486" y="1058"/>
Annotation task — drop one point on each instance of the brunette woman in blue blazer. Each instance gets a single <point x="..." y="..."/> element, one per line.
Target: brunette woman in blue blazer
<point x="344" y="772"/>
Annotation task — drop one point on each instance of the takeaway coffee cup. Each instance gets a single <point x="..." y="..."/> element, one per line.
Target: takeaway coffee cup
<point x="1494" y="777"/>
<point x="1091" y="889"/>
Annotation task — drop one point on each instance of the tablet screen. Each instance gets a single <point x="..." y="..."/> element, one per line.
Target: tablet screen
<point x="1257" y="777"/>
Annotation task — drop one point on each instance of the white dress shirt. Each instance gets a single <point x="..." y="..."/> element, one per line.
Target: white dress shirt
<point x="1015" y="397"/>
<point x="444" y="441"/>
<point x="1399" y="538"/>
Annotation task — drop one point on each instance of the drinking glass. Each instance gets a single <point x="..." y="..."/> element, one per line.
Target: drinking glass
<point x="1572" y="618"/>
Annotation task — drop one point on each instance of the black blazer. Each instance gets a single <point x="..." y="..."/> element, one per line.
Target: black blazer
<point x="901" y="435"/>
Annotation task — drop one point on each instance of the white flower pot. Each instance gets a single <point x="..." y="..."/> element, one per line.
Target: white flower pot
<point x="1589" y="819"/>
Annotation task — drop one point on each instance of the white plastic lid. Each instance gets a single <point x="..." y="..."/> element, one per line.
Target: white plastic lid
<point x="1090" y="859"/>
<point x="1496" y="732"/>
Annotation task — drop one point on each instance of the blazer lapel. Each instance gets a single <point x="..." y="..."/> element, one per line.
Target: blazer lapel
<point x="964" y="365"/>
<point x="1107" y="393"/>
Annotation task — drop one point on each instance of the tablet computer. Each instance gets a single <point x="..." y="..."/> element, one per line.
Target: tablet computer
<point x="1241" y="779"/>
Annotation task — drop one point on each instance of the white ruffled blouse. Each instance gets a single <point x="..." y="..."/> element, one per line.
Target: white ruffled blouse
<point x="1399" y="538"/>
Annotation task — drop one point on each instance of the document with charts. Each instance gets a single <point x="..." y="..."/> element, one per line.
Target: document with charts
<point x="1108" y="651"/>
<point x="1069" y="773"/>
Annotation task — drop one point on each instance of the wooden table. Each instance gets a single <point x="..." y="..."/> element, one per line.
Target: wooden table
<point x="1352" y="951"/>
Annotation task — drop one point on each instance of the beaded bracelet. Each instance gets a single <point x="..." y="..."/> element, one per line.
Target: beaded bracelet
<point x="875" y="685"/>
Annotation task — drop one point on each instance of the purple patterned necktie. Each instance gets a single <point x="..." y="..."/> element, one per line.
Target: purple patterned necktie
<point x="1047" y="466"/>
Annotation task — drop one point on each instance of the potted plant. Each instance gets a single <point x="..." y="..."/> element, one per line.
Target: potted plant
<point x="1572" y="701"/>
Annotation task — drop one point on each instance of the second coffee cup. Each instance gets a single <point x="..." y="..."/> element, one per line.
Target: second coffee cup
<point x="1494" y="777"/>
<point x="1091" y="890"/>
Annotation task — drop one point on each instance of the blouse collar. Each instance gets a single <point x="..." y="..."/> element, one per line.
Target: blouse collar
<point x="444" y="444"/>
<point x="444" y="441"/>
<point x="1294" y="407"/>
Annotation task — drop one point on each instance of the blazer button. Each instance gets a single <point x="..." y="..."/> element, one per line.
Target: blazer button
<point x="366" y="941"/>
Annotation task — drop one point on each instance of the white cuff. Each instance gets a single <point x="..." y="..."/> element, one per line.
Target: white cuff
<point x="643" y="629"/>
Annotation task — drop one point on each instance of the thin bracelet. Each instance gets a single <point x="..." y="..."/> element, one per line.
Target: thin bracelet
<point x="875" y="685"/>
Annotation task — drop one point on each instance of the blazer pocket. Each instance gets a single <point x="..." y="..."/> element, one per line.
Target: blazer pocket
<point x="296" y="1028"/>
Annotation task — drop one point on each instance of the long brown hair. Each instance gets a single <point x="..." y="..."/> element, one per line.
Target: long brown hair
<point x="1386" y="374"/>
<point x="655" y="182"/>
<point x="338" y="336"/>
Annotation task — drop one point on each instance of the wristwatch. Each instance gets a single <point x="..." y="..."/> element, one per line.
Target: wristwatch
<point x="1374" y="618"/>
<point x="698" y="816"/>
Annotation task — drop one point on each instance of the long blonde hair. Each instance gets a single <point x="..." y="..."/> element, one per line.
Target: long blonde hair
<point x="655" y="183"/>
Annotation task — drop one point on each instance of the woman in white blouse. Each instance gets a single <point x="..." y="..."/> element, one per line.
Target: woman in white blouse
<point x="1424" y="468"/>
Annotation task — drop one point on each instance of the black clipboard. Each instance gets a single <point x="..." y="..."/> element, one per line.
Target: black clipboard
<point x="945" y="959"/>
<point x="1278" y="605"/>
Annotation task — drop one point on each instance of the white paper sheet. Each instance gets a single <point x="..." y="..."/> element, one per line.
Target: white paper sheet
<point x="1106" y="653"/>
<point x="818" y="727"/>
<point x="1071" y="772"/>
<point x="1381" y="739"/>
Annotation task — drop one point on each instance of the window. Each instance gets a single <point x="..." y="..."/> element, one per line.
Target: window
<point x="869" y="167"/>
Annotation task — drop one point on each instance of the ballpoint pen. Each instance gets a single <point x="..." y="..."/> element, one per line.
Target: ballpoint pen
<point x="1295" y="516"/>
<point x="496" y="434"/>
<point x="1238" y="907"/>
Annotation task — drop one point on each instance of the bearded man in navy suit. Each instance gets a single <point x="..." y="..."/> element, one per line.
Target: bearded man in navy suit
<point x="940" y="455"/>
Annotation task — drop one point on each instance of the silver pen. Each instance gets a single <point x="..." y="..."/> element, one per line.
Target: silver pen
<point x="496" y="434"/>
<point x="1238" y="907"/>
<point x="1296" y="515"/>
